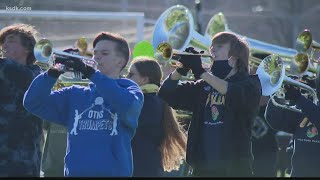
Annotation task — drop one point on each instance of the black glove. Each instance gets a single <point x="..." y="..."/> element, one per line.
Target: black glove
<point x="292" y="93"/>
<point x="192" y="62"/>
<point x="183" y="71"/>
<point x="309" y="81"/>
<point x="57" y="70"/>
<point x="76" y="64"/>
<point x="74" y="51"/>
<point x="293" y="77"/>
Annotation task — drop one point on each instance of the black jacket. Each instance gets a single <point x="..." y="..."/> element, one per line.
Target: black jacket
<point x="304" y="127"/>
<point x="241" y="106"/>
<point x="20" y="131"/>
<point x="147" y="140"/>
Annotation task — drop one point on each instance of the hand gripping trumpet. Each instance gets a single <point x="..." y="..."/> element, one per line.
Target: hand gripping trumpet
<point x="165" y="53"/>
<point x="45" y="56"/>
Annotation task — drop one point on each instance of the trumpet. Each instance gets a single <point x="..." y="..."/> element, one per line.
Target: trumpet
<point x="165" y="53"/>
<point x="44" y="54"/>
<point x="271" y="72"/>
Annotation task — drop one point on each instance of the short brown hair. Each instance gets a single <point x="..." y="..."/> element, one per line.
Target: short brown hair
<point x="238" y="49"/>
<point x="122" y="45"/>
<point x="27" y="35"/>
<point x="148" y="67"/>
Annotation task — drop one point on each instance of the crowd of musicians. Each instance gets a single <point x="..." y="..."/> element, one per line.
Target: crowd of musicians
<point x="125" y="124"/>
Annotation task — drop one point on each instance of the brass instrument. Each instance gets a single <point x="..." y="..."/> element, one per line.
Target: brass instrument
<point x="296" y="61"/>
<point x="304" y="40"/>
<point x="44" y="54"/>
<point x="173" y="32"/>
<point x="311" y="44"/>
<point x="165" y="53"/>
<point x="175" y="26"/>
<point x="271" y="72"/>
<point x="82" y="45"/>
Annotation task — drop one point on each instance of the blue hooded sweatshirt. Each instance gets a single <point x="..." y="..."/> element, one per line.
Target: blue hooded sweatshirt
<point x="101" y="120"/>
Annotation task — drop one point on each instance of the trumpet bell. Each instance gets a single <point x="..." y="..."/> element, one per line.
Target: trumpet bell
<point x="43" y="50"/>
<point x="166" y="54"/>
<point x="164" y="51"/>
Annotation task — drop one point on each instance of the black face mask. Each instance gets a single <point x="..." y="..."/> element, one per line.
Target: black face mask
<point x="221" y="69"/>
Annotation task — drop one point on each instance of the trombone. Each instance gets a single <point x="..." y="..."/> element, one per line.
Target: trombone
<point x="165" y="52"/>
<point x="271" y="72"/>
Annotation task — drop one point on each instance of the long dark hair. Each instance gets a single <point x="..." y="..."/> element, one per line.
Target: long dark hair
<point x="173" y="145"/>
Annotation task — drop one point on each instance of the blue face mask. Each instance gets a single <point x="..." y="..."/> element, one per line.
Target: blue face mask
<point x="221" y="69"/>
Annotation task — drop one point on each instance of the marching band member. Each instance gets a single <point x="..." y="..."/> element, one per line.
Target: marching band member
<point x="159" y="143"/>
<point x="101" y="119"/>
<point x="304" y="127"/>
<point x="52" y="163"/>
<point x="224" y="105"/>
<point x="21" y="132"/>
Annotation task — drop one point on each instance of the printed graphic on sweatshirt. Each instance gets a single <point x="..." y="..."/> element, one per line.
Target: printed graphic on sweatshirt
<point x="214" y="112"/>
<point x="214" y="106"/>
<point x="311" y="131"/>
<point x="95" y="118"/>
